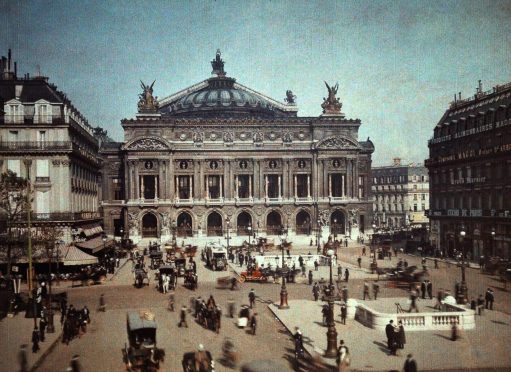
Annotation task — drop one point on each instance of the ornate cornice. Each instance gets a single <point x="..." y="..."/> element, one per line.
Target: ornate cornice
<point x="148" y="143"/>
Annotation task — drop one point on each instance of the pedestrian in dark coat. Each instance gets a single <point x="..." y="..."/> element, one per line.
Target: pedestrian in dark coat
<point x="346" y="242"/>
<point x="410" y="364"/>
<point x="489" y="298"/>
<point x="316" y="265"/>
<point x="251" y="298"/>
<point x="300" y="261"/>
<point x="389" y="331"/>
<point x="346" y="274"/>
<point x="35" y="340"/>
<point x="315" y="291"/>
<point x="376" y="290"/>
<point x="344" y="293"/>
<point x="429" y="287"/>
<point x="42" y="328"/>
<point x="182" y="317"/>
<point x="401" y="341"/>
<point x="423" y="289"/>
<point x="310" y="277"/>
<point x="359" y="261"/>
<point x="344" y="313"/>
<point x="22" y="358"/>
<point x="366" y="291"/>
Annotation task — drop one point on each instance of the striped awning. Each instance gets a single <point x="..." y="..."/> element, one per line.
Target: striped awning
<point x="72" y="256"/>
<point x="95" y="245"/>
<point x="91" y="230"/>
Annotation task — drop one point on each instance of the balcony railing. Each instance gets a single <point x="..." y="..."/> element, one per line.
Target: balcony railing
<point x="42" y="179"/>
<point x="184" y="232"/>
<point x="215" y="231"/>
<point x="34" y="145"/>
<point x="62" y="216"/>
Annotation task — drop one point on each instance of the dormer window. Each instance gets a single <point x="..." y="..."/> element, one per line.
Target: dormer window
<point x="14" y="112"/>
<point x="42" y="112"/>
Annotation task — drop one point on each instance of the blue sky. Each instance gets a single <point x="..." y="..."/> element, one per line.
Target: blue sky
<point x="398" y="63"/>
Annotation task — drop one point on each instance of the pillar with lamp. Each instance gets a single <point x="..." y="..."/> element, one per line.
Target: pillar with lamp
<point x="331" y="334"/>
<point x="50" y="328"/>
<point x="227" y="237"/>
<point x="318" y="238"/>
<point x="284" y="270"/>
<point x="462" y="295"/>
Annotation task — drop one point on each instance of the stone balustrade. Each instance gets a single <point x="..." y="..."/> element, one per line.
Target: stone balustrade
<point x="426" y="321"/>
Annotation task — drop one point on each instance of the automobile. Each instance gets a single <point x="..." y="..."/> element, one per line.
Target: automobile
<point x="253" y="276"/>
<point x="216" y="256"/>
<point x="180" y="266"/>
<point x="167" y="270"/>
<point x="409" y="275"/>
<point x="156" y="259"/>
<point x="140" y="352"/>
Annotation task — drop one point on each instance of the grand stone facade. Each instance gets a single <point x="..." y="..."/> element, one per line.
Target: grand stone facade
<point x="220" y="159"/>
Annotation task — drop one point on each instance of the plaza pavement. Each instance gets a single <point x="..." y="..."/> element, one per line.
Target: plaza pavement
<point x="485" y="347"/>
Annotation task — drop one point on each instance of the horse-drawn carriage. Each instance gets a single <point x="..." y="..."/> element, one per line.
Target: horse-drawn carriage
<point x="206" y="364"/>
<point x="89" y="275"/>
<point x="191" y="280"/>
<point x="141" y="278"/>
<point x="141" y="353"/>
<point x="266" y="244"/>
<point x="209" y="317"/>
<point x="169" y="271"/>
<point x="156" y="259"/>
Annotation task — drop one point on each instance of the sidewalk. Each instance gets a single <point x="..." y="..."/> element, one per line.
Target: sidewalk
<point x="485" y="347"/>
<point x="17" y="331"/>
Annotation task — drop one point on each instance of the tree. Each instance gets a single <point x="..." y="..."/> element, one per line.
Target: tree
<point x="13" y="207"/>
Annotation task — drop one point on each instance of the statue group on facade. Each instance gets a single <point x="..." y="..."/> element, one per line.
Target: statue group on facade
<point x="331" y="105"/>
<point x="146" y="100"/>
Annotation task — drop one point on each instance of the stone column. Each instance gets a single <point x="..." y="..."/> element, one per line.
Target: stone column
<point x="137" y="181"/>
<point x="325" y="177"/>
<point x="201" y="180"/>
<point x="265" y="186"/>
<point x="355" y="178"/>
<point x="343" y="187"/>
<point x="156" y="185"/>
<point x="330" y="185"/>
<point x="349" y="176"/>
<point x="142" y="189"/>
<point x="225" y="188"/>
<point x="295" y="186"/>
<point x="230" y="181"/>
<point x="236" y="194"/>
<point x="65" y="187"/>
<point x="279" y="186"/>
<point x="196" y="183"/>
<point x="190" y="186"/>
<point x="170" y="179"/>
<point x="250" y="178"/>
<point x="315" y="182"/>
<point x="207" y="187"/>
<point x="221" y="179"/>
<point x="308" y="186"/>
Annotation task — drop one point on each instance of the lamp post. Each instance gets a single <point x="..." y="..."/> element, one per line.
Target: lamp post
<point x="493" y="232"/>
<point x="318" y="238"/>
<point x="104" y="243"/>
<point x="462" y="295"/>
<point x="228" y="225"/>
<point x="249" y="228"/>
<point x="50" y="327"/>
<point x="283" y="291"/>
<point x="331" y="334"/>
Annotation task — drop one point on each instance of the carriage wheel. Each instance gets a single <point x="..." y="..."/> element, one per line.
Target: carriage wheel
<point x="102" y="278"/>
<point x="242" y="279"/>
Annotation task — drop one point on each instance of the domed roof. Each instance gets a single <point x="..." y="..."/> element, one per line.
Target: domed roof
<point x="221" y="96"/>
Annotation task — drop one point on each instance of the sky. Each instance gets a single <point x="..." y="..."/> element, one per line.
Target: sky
<point x="398" y="63"/>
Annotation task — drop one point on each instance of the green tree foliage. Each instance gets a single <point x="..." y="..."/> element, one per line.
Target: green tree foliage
<point x="13" y="211"/>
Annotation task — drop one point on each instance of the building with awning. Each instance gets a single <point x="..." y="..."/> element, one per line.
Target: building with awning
<point x="72" y="256"/>
<point x="96" y="245"/>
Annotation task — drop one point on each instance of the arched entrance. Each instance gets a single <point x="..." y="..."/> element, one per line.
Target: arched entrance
<point x="303" y="223"/>
<point x="273" y="223"/>
<point x="184" y="225"/>
<point x="244" y="224"/>
<point x="337" y="224"/>
<point x="215" y="224"/>
<point x="149" y="226"/>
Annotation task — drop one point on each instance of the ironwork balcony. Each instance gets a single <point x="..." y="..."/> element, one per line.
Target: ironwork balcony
<point x="42" y="179"/>
<point x="35" y="145"/>
<point x="62" y="216"/>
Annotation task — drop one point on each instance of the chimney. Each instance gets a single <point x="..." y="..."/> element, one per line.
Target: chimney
<point x="480" y="87"/>
<point x="397" y="162"/>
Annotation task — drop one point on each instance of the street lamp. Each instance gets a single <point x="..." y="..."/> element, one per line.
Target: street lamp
<point x="51" y="328"/>
<point x="462" y="295"/>
<point x="249" y="228"/>
<point x="283" y="291"/>
<point x="331" y="334"/>
<point x="492" y="243"/>
<point x="228" y="224"/>
<point x="318" y="239"/>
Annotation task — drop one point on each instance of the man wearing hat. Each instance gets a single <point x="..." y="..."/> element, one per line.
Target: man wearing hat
<point x="410" y="364"/>
<point x="201" y="359"/>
